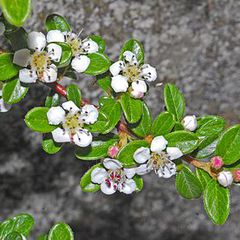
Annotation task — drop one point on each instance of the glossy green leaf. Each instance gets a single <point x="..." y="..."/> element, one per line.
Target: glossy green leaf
<point x="60" y="231"/>
<point x="13" y="92"/>
<point x="132" y="108"/>
<point x="186" y="141"/>
<point x="99" y="40"/>
<point x="42" y="237"/>
<point x="163" y="124"/>
<point x="135" y="47"/>
<point x="16" y="12"/>
<point x="14" y="236"/>
<point x="50" y="146"/>
<point x="203" y="177"/>
<point x="105" y="83"/>
<point x="125" y="156"/>
<point x="188" y="185"/>
<point x="206" y="148"/>
<point x="229" y="145"/>
<point x="36" y="119"/>
<point x="174" y="101"/>
<point x="52" y="100"/>
<point x="66" y="55"/>
<point x="217" y="202"/>
<point x="99" y="63"/>
<point x="7" y="68"/>
<point x="139" y="183"/>
<point x="57" y="22"/>
<point x="74" y="94"/>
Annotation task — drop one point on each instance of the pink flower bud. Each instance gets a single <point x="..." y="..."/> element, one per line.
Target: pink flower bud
<point x="216" y="162"/>
<point x="236" y="175"/>
<point x="113" y="151"/>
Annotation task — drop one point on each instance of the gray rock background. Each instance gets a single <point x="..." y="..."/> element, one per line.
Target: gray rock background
<point x="193" y="43"/>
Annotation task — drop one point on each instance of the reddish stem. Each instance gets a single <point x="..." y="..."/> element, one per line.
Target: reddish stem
<point x="58" y="88"/>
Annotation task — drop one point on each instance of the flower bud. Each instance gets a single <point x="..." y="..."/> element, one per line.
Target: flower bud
<point x="216" y="162"/>
<point x="236" y="175"/>
<point x="190" y="123"/>
<point x="113" y="151"/>
<point x="225" y="178"/>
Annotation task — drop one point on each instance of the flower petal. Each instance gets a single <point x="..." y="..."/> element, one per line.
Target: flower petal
<point x="98" y="175"/>
<point x="54" y="52"/>
<point x="50" y="74"/>
<point x="174" y="153"/>
<point x="158" y="144"/>
<point x="129" y="172"/>
<point x="137" y="94"/>
<point x="89" y="114"/>
<point x="27" y="76"/>
<point x="141" y="155"/>
<point x="112" y="164"/>
<point x="21" y="57"/>
<point x="143" y="169"/>
<point x="119" y="83"/>
<point x="108" y="187"/>
<point x="90" y="46"/>
<point x="139" y="86"/>
<point x="117" y="67"/>
<point x="128" y="187"/>
<point x="148" y="73"/>
<point x="36" y="41"/>
<point x="4" y="107"/>
<point x="55" y="115"/>
<point x="59" y="135"/>
<point x="55" y="36"/>
<point x="130" y="58"/>
<point x="167" y="170"/>
<point x="190" y="123"/>
<point x="70" y="106"/>
<point x="82" y="138"/>
<point x="80" y="63"/>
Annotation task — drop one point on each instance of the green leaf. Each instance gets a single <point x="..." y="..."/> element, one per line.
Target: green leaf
<point x="109" y="116"/>
<point x="174" y="101"/>
<point x="139" y="183"/>
<point x="66" y="55"/>
<point x="143" y="127"/>
<point x="132" y="108"/>
<point x="16" y="12"/>
<point x="99" y="63"/>
<point x="57" y="22"/>
<point x="98" y="148"/>
<point x="186" y="141"/>
<point x="125" y="156"/>
<point x="206" y="148"/>
<point x="99" y="40"/>
<point x="14" y="236"/>
<point x="13" y="92"/>
<point x="105" y="83"/>
<point x="135" y="47"/>
<point x="52" y="100"/>
<point x="229" y="145"/>
<point x="188" y="185"/>
<point x="60" y="231"/>
<point x="42" y="237"/>
<point x="163" y="124"/>
<point x="50" y="146"/>
<point x="203" y="177"/>
<point x="74" y="94"/>
<point x="86" y="183"/>
<point x="7" y="68"/>
<point x="36" y="119"/>
<point x="217" y="202"/>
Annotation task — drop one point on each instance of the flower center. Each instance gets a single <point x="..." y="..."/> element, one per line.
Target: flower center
<point x="72" y="123"/>
<point x="158" y="160"/>
<point x="40" y="61"/>
<point x="132" y="72"/>
<point x="75" y="44"/>
<point x="116" y="176"/>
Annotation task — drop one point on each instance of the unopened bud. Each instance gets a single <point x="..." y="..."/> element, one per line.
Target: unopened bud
<point x="236" y="175"/>
<point x="225" y="178"/>
<point x="113" y="151"/>
<point x="216" y="162"/>
<point x="190" y="123"/>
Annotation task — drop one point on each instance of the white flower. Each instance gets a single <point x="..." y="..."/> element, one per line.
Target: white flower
<point x="4" y="107"/>
<point x="80" y="48"/>
<point x="38" y="61"/>
<point x="190" y="123"/>
<point x="225" y="178"/>
<point x="114" y="177"/>
<point x="72" y="120"/>
<point x="158" y="158"/>
<point x="129" y="74"/>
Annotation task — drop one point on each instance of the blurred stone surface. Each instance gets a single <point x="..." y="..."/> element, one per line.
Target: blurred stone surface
<point x="193" y="43"/>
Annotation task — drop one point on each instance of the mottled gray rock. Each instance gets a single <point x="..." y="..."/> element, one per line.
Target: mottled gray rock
<point x="195" y="44"/>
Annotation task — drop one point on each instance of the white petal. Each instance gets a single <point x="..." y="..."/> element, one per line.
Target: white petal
<point x="82" y="138"/>
<point x="50" y="74"/>
<point x="190" y="123"/>
<point x="4" y="107"/>
<point x="90" y="46"/>
<point x="141" y="155"/>
<point x="21" y="57"/>
<point x="36" y="41"/>
<point x="119" y="83"/>
<point x="59" y="135"/>
<point x="129" y="172"/>
<point x="225" y="178"/>
<point x="143" y="169"/>
<point x="167" y="170"/>
<point x="89" y="114"/>
<point x="148" y="73"/>
<point x="54" y="51"/>
<point x="128" y="187"/>
<point x="2" y="28"/>
<point x="174" y="153"/>
<point x="117" y="67"/>
<point x="70" y="35"/>
<point x="70" y="106"/>
<point x="80" y="63"/>
<point x="137" y="94"/>
<point x="98" y="175"/>
<point x="108" y="188"/>
<point x="130" y="57"/>
<point x="55" y="115"/>
<point x="139" y="86"/>
<point x="112" y="164"/>
<point x="158" y="144"/>
<point x="27" y="76"/>
<point x="55" y="36"/>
